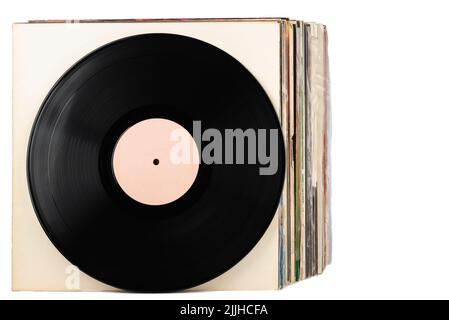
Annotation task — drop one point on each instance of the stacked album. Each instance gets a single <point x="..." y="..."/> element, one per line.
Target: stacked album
<point x="171" y="154"/>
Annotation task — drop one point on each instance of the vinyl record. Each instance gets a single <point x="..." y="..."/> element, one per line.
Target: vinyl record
<point x="109" y="233"/>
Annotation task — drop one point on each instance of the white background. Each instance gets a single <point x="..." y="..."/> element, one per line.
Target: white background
<point x="390" y="152"/>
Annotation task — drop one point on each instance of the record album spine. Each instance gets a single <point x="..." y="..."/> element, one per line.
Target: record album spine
<point x="317" y="207"/>
<point x="292" y="152"/>
<point x="309" y="227"/>
<point x="301" y="172"/>
<point x="283" y="223"/>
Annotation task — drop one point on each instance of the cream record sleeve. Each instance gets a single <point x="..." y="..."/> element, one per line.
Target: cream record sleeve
<point x="42" y="53"/>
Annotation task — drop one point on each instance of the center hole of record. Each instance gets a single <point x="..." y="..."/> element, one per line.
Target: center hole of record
<point x="154" y="161"/>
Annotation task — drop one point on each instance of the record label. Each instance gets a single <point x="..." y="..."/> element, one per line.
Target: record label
<point x="151" y="164"/>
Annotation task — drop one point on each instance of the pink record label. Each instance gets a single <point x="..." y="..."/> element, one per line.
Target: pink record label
<point x="150" y="161"/>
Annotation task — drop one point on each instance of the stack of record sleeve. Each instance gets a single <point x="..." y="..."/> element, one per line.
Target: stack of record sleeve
<point x="305" y="239"/>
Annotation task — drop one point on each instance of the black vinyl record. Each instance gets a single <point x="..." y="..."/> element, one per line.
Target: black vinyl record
<point x="86" y="215"/>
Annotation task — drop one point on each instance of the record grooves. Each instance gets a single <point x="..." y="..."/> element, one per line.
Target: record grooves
<point x="88" y="217"/>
